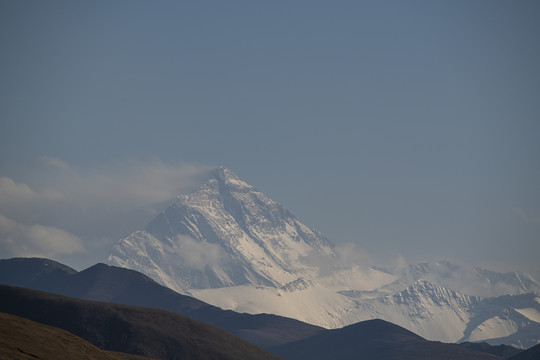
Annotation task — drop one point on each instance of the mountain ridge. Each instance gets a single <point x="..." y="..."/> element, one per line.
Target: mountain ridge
<point x="141" y="331"/>
<point x="234" y="234"/>
<point x="365" y="338"/>
<point x="165" y="335"/>
<point x="230" y="245"/>
<point x="107" y="283"/>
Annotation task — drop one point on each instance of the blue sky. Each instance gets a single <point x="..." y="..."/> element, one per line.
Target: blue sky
<point x="408" y="128"/>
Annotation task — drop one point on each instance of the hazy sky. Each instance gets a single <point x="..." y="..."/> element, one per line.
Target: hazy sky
<point x="407" y="127"/>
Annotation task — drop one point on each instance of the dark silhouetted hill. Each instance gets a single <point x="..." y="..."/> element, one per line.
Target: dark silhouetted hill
<point x="529" y="354"/>
<point x="24" y="339"/>
<point x="375" y="340"/>
<point x="118" y="285"/>
<point x="141" y="331"/>
<point x="504" y="351"/>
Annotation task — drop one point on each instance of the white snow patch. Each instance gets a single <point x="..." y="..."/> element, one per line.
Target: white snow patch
<point x="530" y="313"/>
<point x="495" y="327"/>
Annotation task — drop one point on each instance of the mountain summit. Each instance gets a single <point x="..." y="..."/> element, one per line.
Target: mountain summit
<point x="229" y="245"/>
<point x="225" y="234"/>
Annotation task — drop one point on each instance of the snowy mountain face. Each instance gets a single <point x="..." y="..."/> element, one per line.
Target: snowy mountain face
<point x="230" y="245"/>
<point x="471" y="280"/>
<point x="440" y="313"/>
<point x="507" y="319"/>
<point x="432" y="311"/>
<point x="225" y="234"/>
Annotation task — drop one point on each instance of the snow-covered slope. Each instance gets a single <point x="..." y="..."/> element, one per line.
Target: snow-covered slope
<point x="463" y="279"/>
<point x="507" y="319"/>
<point x="225" y="234"/>
<point x="230" y="245"/>
<point x="469" y="280"/>
<point x="425" y="306"/>
<point x="434" y="312"/>
<point x="422" y="307"/>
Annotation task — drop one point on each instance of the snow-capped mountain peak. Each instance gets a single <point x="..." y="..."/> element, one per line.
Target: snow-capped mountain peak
<point x="230" y="245"/>
<point x="230" y="179"/>
<point x="225" y="234"/>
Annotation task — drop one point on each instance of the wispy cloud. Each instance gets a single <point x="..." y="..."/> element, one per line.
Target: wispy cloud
<point x="199" y="254"/>
<point x="97" y="206"/>
<point x="54" y="162"/>
<point x="18" y="198"/>
<point x="18" y="239"/>
<point x="12" y="193"/>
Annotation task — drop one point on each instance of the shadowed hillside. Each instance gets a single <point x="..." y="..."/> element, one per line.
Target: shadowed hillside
<point x="24" y="339"/>
<point x="504" y="351"/>
<point x="140" y="331"/>
<point x="117" y="285"/>
<point x="375" y="339"/>
<point x="529" y="354"/>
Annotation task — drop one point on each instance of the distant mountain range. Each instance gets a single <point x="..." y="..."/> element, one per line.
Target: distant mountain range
<point x="166" y="335"/>
<point x="230" y="245"/>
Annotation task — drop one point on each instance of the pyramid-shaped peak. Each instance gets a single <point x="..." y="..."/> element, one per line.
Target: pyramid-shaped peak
<point x="218" y="182"/>
<point x="228" y="178"/>
<point x="225" y="173"/>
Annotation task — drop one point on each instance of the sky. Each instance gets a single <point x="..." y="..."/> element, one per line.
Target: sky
<point x="410" y="129"/>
